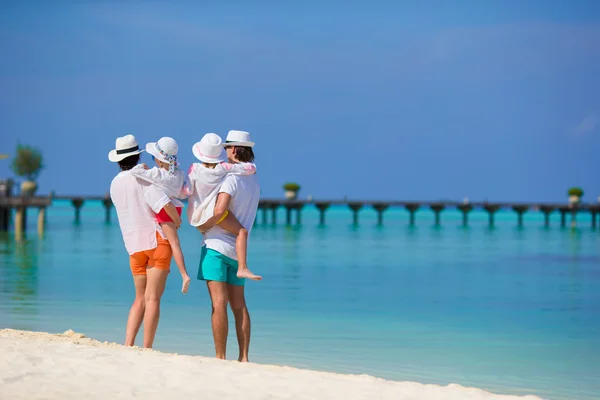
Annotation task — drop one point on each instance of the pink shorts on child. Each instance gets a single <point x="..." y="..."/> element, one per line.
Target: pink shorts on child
<point x="163" y="217"/>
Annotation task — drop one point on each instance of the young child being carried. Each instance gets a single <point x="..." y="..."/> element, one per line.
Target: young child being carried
<point x="205" y="180"/>
<point x="167" y="176"/>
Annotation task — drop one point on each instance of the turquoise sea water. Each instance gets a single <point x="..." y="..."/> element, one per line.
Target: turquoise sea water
<point x="506" y="309"/>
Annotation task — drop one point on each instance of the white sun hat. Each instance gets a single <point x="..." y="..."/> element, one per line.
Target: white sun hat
<point x="210" y="149"/>
<point x="125" y="146"/>
<point x="238" y="138"/>
<point x="164" y="150"/>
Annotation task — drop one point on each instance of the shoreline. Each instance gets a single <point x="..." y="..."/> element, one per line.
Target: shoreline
<point x="72" y="366"/>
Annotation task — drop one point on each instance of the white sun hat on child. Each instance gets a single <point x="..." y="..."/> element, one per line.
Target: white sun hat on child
<point x="210" y="149"/>
<point x="164" y="150"/>
<point x="238" y="138"/>
<point x="125" y="146"/>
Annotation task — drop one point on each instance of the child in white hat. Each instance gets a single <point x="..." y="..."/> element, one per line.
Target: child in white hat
<point x="204" y="180"/>
<point x="171" y="180"/>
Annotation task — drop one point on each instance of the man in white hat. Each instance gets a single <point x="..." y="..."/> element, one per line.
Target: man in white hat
<point x="137" y="202"/>
<point x="218" y="265"/>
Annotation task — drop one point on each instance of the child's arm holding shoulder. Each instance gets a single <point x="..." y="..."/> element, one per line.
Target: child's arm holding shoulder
<point x="151" y="175"/>
<point x="240" y="168"/>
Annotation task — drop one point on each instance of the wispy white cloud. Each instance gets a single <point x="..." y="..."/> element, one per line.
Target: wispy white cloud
<point x="587" y="125"/>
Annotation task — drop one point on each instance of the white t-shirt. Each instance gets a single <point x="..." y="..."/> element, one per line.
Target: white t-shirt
<point x="245" y="194"/>
<point x="204" y="184"/>
<point x="137" y="203"/>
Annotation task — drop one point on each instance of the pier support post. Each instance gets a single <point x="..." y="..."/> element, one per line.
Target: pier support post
<point x="20" y="221"/>
<point x="4" y="219"/>
<point x="273" y="208"/>
<point x="465" y="209"/>
<point x="563" y="216"/>
<point x="412" y="209"/>
<point x="298" y="208"/>
<point x="6" y="187"/>
<point x="288" y="212"/>
<point x="264" y="214"/>
<point x="437" y="209"/>
<point x="520" y="210"/>
<point x="322" y="207"/>
<point x="380" y="208"/>
<point x="107" y="202"/>
<point x="547" y="210"/>
<point x="77" y="203"/>
<point x="288" y="215"/>
<point x="355" y="207"/>
<point x="594" y="213"/>
<point x="491" y="209"/>
<point x="41" y="222"/>
<point x="574" y="210"/>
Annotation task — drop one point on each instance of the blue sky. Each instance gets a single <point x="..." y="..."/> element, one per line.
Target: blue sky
<point x="496" y="100"/>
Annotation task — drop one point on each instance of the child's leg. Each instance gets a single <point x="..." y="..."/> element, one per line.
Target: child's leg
<point x="231" y="224"/>
<point x="171" y="234"/>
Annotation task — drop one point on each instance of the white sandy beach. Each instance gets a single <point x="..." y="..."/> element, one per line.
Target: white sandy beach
<point x="69" y="366"/>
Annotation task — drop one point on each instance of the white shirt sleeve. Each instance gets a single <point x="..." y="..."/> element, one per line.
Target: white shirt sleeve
<point x="230" y="185"/>
<point x="155" y="197"/>
<point x="151" y="175"/>
<point x="190" y="184"/>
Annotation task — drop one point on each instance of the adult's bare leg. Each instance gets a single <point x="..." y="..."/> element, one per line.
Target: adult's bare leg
<point x="155" y="288"/>
<point x="219" y="299"/>
<point x="136" y="314"/>
<point x="237" y="302"/>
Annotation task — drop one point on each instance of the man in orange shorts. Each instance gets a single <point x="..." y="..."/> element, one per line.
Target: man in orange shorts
<point x="137" y="202"/>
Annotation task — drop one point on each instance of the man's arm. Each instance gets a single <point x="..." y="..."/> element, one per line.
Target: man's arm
<point x="223" y="201"/>
<point x="226" y="192"/>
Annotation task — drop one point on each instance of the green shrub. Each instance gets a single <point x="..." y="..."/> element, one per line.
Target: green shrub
<point x="294" y="187"/>
<point x="576" y="191"/>
<point x="28" y="162"/>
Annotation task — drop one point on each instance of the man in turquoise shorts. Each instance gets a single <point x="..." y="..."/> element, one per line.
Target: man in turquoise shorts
<point x="218" y="264"/>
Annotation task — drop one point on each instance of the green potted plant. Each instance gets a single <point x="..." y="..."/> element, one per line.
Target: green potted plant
<point x="28" y="164"/>
<point x="291" y="190"/>
<point x="575" y="195"/>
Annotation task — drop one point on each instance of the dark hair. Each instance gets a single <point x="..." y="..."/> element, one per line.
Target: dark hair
<point x="129" y="162"/>
<point x="244" y="154"/>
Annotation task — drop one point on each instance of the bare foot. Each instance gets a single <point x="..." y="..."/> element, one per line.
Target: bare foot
<point x="246" y="273"/>
<point x="186" y="284"/>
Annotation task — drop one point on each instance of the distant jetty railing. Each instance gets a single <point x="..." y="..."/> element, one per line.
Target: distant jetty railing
<point x="269" y="207"/>
<point x="436" y="207"/>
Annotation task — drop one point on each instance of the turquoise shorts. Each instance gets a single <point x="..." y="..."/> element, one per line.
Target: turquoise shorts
<point x="214" y="266"/>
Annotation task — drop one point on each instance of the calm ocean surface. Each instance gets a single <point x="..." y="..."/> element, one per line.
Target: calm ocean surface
<point x="510" y="310"/>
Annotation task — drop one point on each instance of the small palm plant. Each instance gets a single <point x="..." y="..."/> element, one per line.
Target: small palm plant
<point x="291" y="190"/>
<point x="575" y="195"/>
<point x="28" y="164"/>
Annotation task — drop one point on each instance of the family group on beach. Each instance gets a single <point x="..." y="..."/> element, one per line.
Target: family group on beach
<point x="222" y="190"/>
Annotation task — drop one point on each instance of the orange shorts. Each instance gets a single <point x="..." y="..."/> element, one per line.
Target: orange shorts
<point x="159" y="258"/>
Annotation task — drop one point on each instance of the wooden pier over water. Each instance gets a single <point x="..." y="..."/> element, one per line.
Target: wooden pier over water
<point x="296" y="206"/>
<point x="268" y="210"/>
<point x="21" y="205"/>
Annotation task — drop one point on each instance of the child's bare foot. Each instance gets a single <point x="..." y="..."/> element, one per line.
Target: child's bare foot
<point x="186" y="284"/>
<point x="246" y="273"/>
